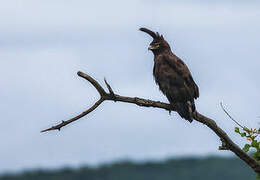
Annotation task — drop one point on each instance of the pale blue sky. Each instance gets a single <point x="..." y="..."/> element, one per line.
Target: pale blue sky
<point x="44" y="43"/>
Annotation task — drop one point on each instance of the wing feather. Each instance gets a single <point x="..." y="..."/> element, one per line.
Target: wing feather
<point x="179" y="67"/>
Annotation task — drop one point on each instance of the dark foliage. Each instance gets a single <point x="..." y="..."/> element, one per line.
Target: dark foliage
<point x="174" y="169"/>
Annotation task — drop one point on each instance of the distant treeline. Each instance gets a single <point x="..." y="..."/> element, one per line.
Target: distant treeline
<point x="212" y="168"/>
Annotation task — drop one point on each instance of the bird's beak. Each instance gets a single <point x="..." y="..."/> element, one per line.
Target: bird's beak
<point x="151" y="47"/>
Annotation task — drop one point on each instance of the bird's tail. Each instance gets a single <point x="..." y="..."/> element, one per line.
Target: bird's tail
<point x="185" y="109"/>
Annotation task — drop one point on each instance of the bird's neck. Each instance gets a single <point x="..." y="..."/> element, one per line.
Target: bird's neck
<point x="158" y="52"/>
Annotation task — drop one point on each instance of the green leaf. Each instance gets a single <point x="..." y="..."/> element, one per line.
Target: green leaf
<point x="254" y="143"/>
<point x="237" y="130"/>
<point x="246" y="147"/>
<point x="243" y="134"/>
<point x="253" y="137"/>
<point x="256" y="155"/>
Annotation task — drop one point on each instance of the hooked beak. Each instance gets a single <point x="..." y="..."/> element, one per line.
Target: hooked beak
<point x="152" y="47"/>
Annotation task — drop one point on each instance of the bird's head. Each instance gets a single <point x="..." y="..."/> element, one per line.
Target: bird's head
<point x="158" y="44"/>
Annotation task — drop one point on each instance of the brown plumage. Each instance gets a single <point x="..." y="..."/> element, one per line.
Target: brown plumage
<point x="173" y="76"/>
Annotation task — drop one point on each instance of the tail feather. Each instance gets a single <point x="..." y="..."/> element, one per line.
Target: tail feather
<point x="185" y="109"/>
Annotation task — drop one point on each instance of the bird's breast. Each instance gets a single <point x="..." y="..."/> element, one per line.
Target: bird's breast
<point x="165" y="75"/>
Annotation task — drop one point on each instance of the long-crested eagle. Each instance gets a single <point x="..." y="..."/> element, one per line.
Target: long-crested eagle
<point x="173" y="76"/>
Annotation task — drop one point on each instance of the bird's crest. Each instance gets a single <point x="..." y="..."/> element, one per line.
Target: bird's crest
<point x="156" y="35"/>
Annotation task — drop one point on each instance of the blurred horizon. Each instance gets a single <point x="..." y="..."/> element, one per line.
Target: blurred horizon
<point x="44" y="43"/>
<point x="177" y="168"/>
<point x="122" y="161"/>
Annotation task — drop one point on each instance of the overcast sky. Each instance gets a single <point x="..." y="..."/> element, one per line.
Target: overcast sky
<point x="44" y="43"/>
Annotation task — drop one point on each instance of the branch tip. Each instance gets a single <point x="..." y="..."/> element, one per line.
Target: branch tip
<point x="225" y="111"/>
<point x="98" y="87"/>
<point x="111" y="92"/>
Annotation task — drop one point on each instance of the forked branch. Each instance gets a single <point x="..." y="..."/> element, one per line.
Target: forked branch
<point x="109" y="96"/>
<point x="227" y="143"/>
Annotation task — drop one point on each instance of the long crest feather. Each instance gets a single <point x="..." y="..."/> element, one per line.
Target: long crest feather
<point x="151" y="33"/>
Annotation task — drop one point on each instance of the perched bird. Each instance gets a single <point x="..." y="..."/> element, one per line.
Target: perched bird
<point x="173" y="76"/>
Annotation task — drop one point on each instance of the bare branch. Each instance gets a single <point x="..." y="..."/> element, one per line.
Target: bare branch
<point x="93" y="82"/>
<point x="227" y="143"/>
<point x="64" y="123"/>
<point x="111" y="96"/>
<point x="231" y="116"/>
<point x="109" y="88"/>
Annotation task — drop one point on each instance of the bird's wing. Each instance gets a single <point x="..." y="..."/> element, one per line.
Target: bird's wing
<point x="178" y="65"/>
